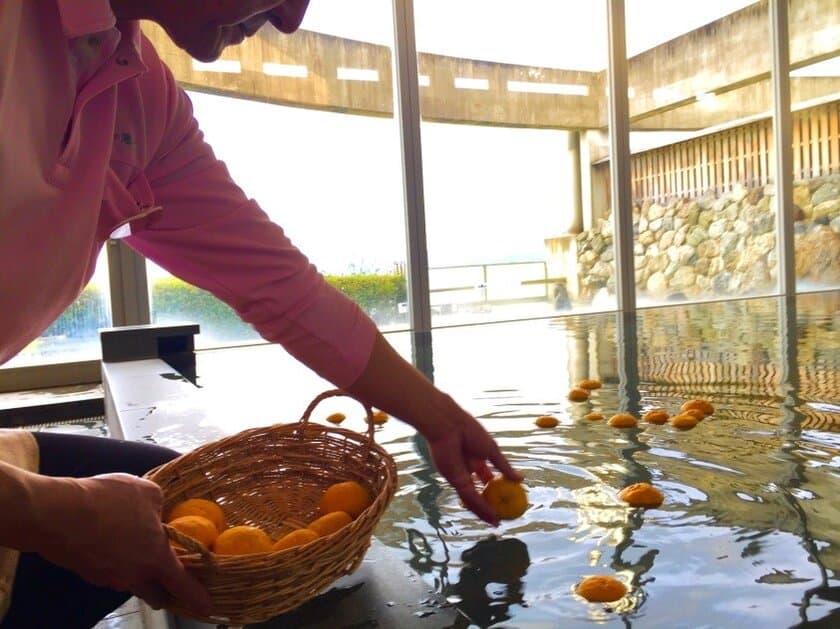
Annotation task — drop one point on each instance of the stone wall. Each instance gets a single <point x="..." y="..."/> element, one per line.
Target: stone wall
<point x="718" y="246"/>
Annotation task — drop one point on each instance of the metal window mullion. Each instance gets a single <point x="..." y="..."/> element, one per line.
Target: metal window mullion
<point x="621" y="199"/>
<point x="129" y="285"/>
<point x="619" y="131"/>
<point x="407" y="109"/>
<point x="783" y="140"/>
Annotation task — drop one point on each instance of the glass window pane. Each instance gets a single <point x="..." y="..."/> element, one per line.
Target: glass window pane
<point x="321" y="157"/>
<point x="74" y="336"/>
<point x="814" y="27"/>
<point x="513" y="131"/>
<point x="702" y="149"/>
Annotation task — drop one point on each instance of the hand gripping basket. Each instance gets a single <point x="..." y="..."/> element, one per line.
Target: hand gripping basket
<point x="273" y="477"/>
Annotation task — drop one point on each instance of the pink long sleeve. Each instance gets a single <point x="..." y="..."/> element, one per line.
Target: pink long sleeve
<point x="211" y="235"/>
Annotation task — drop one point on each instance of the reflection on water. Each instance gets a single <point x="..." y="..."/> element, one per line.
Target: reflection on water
<point x="749" y="529"/>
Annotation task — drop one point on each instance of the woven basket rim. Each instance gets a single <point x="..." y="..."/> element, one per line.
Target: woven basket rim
<point x="250" y="602"/>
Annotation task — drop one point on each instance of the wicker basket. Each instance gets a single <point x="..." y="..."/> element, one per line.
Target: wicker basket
<point x="273" y="477"/>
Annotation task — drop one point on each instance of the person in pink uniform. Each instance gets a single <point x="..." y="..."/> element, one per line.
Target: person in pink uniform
<point x="99" y="142"/>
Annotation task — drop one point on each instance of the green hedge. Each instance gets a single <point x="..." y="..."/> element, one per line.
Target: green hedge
<point x="378" y="295"/>
<point x="175" y="300"/>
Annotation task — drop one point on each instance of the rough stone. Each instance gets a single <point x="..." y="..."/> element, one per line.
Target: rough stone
<point x="754" y="196"/>
<point x="741" y="227"/>
<point x="818" y="256"/>
<point x="685" y="277"/>
<point x="828" y="191"/>
<point x="657" y="285"/>
<point x="765" y="243"/>
<point x="724" y="245"/>
<point x="708" y="249"/>
<point x="720" y="205"/>
<point x="827" y="209"/>
<point x="715" y="266"/>
<point x="728" y="242"/>
<point x="601" y="270"/>
<point x="720" y="283"/>
<point x="717" y="228"/>
<point x="655" y="211"/>
<point x="802" y="196"/>
<point x="587" y="258"/>
<point x="705" y="219"/>
<point x="660" y="262"/>
<point x="763" y="223"/>
<point x="738" y="192"/>
<point x="696" y="236"/>
<point x="647" y="238"/>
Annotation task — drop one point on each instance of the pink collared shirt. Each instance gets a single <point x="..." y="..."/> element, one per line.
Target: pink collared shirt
<point x="95" y="136"/>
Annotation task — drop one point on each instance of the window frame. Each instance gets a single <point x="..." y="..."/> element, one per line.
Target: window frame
<point x="127" y="270"/>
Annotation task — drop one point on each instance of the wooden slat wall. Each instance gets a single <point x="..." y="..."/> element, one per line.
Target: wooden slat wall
<point x="743" y="155"/>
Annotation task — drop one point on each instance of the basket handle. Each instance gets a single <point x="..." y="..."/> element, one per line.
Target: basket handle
<point x="188" y="543"/>
<point x="335" y="393"/>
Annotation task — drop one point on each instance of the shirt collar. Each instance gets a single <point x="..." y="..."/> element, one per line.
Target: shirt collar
<point x="83" y="17"/>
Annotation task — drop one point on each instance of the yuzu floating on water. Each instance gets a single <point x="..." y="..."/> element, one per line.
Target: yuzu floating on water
<point x="242" y="540"/>
<point x="642" y="495"/>
<point x="702" y="405"/>
<point x="589" y="383"/>
<point x="601" y="589"/>
<point x="546" y="421"/>
<point x="298" y="537"/>
<point x="623" y="420"/>
<point x="656" y="416"/>
<point x="329" y="523"/>
<point x="198" y="527"/>
<point x="696" y="413"/>
<point x="199" y="506"/>
<point x="578" y="395"/>
<point x="348" y="496"/>
<point x="594" y="416"/>
<point x="336" y="418"/>
<point x="684" y="421"/>
<point x="507" y="497"/>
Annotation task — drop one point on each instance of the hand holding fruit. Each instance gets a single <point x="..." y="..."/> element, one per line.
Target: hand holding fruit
<point x="462" y="448"/>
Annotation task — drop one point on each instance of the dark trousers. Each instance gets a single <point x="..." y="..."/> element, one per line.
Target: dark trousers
<point x="46" y="596"/>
